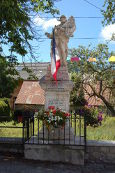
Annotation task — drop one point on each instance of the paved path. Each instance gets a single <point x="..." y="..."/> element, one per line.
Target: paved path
<point x="14" y="164"/>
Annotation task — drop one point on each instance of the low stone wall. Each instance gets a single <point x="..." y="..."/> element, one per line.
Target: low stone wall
<point x="96" y="152"/>
<point x="55" y="153"/>
<point x="100" y="152"/>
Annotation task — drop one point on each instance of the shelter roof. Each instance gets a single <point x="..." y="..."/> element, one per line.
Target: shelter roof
<point x="30" y="93"/>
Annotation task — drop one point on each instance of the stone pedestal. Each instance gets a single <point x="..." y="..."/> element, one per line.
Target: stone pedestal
<point x="60" y="135"/>
<point x="57" y="93"/>
<point x="55" y="153"/>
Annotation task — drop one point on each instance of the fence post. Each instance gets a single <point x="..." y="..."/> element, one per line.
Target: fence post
<point x="23" y="140"/>
<point x="80" y="127"/>
<point x="27" y="128"/>
<point x="33" y="125"/>
<point x="85" y="132"/>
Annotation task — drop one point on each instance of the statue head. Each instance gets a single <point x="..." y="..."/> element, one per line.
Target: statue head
<point x="63" y="19"/>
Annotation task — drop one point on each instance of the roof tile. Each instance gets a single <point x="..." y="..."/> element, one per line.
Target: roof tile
<point x="31" y="93"/>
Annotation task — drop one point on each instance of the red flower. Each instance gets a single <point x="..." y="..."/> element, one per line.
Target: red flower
<point x="54" y="111"/>
<point x="47" y="113"/>
<point x="67" y="114"/>
<point x="51" y="107"/>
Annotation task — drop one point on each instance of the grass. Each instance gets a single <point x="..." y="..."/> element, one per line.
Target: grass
<point x="104" y="132"/>
<point x="16" y="132"/>
<point x="11" y="132"/>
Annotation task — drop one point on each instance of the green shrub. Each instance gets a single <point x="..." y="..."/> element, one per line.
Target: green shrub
<point x="90" y="117"/>
<point x="5" y="111"/>
<point x="94" y="112"/>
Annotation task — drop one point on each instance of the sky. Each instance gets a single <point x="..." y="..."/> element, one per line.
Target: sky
<point x="85" y="27"/>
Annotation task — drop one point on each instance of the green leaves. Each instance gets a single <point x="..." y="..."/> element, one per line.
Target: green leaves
<point x="93" y="74"/>
<point x="16" y="28"/>
<point x="108" y="12"/>
<point x="44" y="6"/>
<point x="7" y="76"/>
<point x="16" y="31"/>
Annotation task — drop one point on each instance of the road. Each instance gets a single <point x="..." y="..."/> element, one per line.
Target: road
<point x="17" y="164"/>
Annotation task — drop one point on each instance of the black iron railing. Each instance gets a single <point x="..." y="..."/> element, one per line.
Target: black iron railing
<point x="11" y="133"/>
<point x="73" y="133"/>
<point x="33" y="130"/>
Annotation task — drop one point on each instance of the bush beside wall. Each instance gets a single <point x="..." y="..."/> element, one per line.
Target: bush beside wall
<point x="5" y="111"/>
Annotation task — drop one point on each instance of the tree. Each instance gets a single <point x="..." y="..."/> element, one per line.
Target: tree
<point x="78" y="102"/>
<point x="8" y="77"/>
<point x="77" y="95"/>
<point x="109" y="12"/>
<point x="16" y="27"/>
<point x="16" y="31"/>
<point x="96" y="73"/>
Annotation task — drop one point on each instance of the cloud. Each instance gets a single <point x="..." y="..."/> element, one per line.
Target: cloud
<point x="45" y="24"/>
<point x="108" y="31"/>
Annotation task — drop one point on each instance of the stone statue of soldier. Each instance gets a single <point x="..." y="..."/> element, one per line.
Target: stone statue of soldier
<point x="62" y="33"/>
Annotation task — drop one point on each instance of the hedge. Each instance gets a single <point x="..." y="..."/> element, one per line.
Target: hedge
<point x="5" y="111"/>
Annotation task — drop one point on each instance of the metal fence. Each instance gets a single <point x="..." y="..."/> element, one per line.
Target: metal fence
<point x="73" y="133"/>
<point x="33" y="130"/>
<point x="10" y="132"/>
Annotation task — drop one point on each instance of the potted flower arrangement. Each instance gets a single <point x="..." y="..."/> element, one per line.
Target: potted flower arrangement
<point x="54" y="117"/>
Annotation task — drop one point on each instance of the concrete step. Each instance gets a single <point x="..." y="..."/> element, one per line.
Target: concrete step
<point x="55" y="153"/>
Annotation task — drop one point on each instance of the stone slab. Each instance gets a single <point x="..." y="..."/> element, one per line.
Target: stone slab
<point x="100" y="143"/>
<point x="58" y="99"/>
<point x="54" y="154"/>
<point x="73" y="142"/>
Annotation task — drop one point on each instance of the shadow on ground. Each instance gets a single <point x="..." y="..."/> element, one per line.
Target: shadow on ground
<point x="17" y="164"/>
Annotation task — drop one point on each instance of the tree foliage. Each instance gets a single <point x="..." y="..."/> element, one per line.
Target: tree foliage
<point x="97" y="73"/>
<point x="109" y="12"/>
<point x="8" y="76"/>
<point x="5" y="111"/>
<point x="78" y="101"/>
<point x="77" y="95"/>
<point x="16" y="27"/>
<point x="16" y="33"/>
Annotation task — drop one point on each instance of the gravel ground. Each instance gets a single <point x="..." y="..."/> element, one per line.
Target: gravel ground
<point x="17" y="164"/>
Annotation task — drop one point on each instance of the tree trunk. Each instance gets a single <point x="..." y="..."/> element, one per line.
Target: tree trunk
<point x="108" y="105"/>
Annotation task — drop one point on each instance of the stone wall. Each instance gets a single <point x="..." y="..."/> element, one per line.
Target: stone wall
<point x="100" y="152"/>
<point x="55" y="153"/>
<point x="97" y="152"/>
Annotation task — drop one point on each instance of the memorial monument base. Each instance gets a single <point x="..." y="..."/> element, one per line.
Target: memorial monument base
<point x="57" y="93"/>
<point x="55" y="153"/>
<point x="60" y="135"/>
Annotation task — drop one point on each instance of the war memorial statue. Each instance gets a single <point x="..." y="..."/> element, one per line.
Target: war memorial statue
<point x="58" y="94"/>
<point x="57" y="132"/>
<point x="62" y="33"/>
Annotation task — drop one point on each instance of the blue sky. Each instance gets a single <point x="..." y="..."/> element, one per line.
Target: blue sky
<point x="84" y="27"/>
